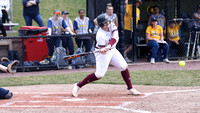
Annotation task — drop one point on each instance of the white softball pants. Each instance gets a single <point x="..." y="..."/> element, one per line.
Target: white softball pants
<point x="112" y="57"/>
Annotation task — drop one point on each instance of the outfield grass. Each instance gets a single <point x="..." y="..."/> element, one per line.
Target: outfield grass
<point x="160" y="78"/>
<point x="46" y="9"/>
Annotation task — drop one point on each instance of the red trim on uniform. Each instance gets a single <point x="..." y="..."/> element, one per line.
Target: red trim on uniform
<point x="112" y="41"/>
<point x="114" y="30"/>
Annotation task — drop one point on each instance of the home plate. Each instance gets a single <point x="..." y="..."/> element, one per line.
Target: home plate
<point x="75" y="99"/>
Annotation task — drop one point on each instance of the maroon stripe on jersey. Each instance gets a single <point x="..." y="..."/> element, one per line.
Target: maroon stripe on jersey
<point x="114" y="30"/>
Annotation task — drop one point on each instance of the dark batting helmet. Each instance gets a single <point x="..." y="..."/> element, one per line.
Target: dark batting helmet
<point x="101" y="19"/>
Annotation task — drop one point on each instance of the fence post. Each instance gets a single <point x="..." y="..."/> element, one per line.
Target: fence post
<point x="23" y="68"/>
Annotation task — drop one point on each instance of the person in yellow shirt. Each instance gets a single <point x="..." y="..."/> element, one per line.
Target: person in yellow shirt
<point x="177" y="46"/>
<point x="155" y="40"/>
<point x="128" y="27"/>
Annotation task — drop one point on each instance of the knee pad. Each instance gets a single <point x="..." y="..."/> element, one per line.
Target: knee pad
<point x="99" y="75"/>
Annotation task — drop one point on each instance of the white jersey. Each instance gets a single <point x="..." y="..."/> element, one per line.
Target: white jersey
<point x="103" y="37"/>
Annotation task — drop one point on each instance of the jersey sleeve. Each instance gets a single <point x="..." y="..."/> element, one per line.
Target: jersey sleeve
<point x="75" y="25"/>
<point x="161" y="29"/>
<point x="49" y="25"/>
<point x="178" y="27"/>
<point x="148" y="30"/>
<point x="64" y="25"/>
<point x="90" y="25"/>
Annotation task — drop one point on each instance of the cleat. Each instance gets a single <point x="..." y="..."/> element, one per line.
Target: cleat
<point x="75" y="90"/>
<point x="9" y="95"/>
<point x="152" y="60"/>
<point x="133" y="92"/>
<point x="166" y="60"/>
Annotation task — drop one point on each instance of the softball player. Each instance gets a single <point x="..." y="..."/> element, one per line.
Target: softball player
<point x="67" y="42"/>
<point x="160" y="17"/>
<point x="83" y="25"/>
<point x="107" y="38"/>
<point x="55" y="25"/>
<point x="111" y="16"/>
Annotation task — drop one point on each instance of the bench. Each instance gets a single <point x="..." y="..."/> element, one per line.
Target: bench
<point x="9" y="27"/>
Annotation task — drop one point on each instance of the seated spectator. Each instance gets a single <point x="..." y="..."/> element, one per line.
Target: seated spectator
<point x="5" y="94"/>
<point x="160" y="17"/>
<point x="196" y="15"/>
<point x="3" y="30"/>
<point x="5" y="6"/>
<point x="155" y="40"/>
<point x="177" y="45"/>
<point x="55" y="26"/>
<point x="83" y="25"/>
<point x="31" y="11"/>
<point x="67" y="42"/>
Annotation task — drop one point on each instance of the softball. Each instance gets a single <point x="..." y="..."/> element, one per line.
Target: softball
<point x="182" y="63"/>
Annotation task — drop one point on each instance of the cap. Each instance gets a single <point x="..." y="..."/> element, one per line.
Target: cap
<point x="64" y="12"/>
<point x="57" y="12"/>
<point x="171" y="21"/>
<point x="153" y="19"/>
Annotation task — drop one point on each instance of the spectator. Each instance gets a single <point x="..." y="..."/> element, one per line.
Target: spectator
<point x="111" y="16"/>
<point x="155" y="40"/>
<point x="5" y="6"/>
<point x="160" y="17"/>
<point x="176" y="43"/>
<point x="55" y="26"/>
<point x="3" y="30"/>
<point x="31" y="11"/>
<point x="128" y="28"/>
<point x="83" y="25"/>
<point x="67" y="42"/>
<point x="196" y="15"/>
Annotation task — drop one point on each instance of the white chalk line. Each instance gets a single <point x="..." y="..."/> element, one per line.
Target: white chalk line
<point x="121" y="107"/>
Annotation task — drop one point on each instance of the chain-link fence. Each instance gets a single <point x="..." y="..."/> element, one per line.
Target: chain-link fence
<point x="181" y="34"/>
<point x="36" y="51"/>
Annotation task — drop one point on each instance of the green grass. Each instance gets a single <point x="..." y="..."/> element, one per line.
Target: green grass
<point x="46" y="9"/>
<point x="160" y="78"/>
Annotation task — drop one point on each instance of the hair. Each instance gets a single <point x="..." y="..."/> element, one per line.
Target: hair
<point x="156" y="6"/>
<point x="109" y="5"/>
<point x="81" y="10"/>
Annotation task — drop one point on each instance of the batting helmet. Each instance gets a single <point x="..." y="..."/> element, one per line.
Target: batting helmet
<point x="101" y="19"/>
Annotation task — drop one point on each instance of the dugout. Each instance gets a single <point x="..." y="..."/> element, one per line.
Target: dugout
<point x="170" y="8"/>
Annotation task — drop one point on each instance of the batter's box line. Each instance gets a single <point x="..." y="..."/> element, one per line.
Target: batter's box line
<point x="42" y="93"/>
<point x="162" y="92"/>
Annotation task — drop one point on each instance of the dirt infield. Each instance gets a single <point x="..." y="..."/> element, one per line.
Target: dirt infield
<point x="104" y="98"/>
<point x="101" y="98"/>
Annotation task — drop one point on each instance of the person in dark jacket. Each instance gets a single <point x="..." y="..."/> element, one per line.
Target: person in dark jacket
<point x="31" y="11"/>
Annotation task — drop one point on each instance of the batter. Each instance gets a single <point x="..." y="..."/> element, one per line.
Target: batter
<point x="107" y="38"/>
